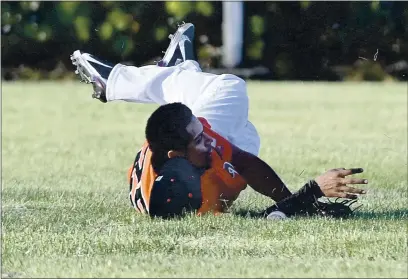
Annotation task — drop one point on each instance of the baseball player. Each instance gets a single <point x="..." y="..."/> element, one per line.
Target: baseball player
<point x="201" y="126"/>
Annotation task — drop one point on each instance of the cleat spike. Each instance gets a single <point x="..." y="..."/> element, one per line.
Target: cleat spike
<point x="171" y="36"/>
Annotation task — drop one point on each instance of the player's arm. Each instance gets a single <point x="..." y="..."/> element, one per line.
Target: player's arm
<point x="333" y="183"/>
<point x="259" y="175"/>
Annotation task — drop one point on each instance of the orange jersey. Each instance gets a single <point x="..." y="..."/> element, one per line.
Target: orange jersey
<point x="220" y="185"/>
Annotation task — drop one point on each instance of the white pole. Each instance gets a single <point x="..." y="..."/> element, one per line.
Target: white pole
<point x="232" y="33"/>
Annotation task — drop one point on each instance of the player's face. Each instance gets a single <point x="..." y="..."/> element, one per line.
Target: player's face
<point x="199" y="149"/>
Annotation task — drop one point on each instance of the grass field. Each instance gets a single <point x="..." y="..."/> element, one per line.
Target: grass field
<point x="65" y="207"/>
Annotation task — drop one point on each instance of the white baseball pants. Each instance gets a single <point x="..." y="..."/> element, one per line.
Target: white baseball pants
<point x="221" y="99"/>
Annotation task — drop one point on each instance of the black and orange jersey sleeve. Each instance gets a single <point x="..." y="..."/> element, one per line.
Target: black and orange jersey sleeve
<point x="141" y="177"/>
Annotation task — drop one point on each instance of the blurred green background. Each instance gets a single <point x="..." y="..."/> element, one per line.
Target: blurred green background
<point x="294" y="40"/>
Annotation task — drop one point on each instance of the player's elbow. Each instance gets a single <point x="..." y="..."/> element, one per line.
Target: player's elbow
<point x="241" y="159"/>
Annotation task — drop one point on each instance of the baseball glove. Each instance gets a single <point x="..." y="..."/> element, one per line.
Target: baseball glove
<point x="334" y="209"/>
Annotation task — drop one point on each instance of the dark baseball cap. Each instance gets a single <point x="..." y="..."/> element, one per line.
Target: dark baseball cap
<point x="176" y="190"/>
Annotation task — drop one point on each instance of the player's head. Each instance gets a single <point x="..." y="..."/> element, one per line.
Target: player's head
<point x="173" y="131"/>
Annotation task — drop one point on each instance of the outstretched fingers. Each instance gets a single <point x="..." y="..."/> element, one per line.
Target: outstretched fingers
<point x="355" y="181"/>
<point x="346" y="172"/>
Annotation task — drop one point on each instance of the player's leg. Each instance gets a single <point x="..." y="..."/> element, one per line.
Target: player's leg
<point x="96" y="71"/>
<point x="221" y="99"/>
<point x="161" y="85"/>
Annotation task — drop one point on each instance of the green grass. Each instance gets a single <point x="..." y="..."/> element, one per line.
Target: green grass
<point x="65" y="209"/>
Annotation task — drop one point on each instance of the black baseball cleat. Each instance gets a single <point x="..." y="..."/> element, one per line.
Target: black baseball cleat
<point x="92" y="70"/>
<point x="181" y="47"/>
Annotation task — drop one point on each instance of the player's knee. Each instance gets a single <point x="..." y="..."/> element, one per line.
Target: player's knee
<point x="254" y="140"/>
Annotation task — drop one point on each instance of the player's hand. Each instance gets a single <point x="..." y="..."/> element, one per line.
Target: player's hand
<point x="333" y="183"/>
